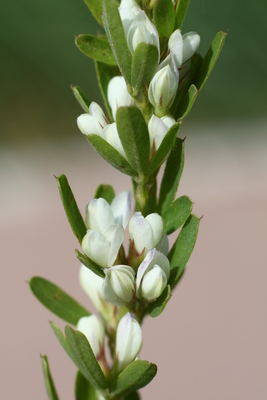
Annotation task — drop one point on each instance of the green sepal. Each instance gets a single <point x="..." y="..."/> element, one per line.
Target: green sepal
<point x="177" y="214"/>
<point x="83" y="389"/>
<point x="181" y="10"/>
<point x="90" y="264"/>
<point x="157" y="307"/>
<point x="49" y="384"/>
<point x="81" y="98"/>
<point x="71" y="209"/>
<point x="144" y="65"/>
<point x="95" y="6"/>
<point x="84" y="358"/>
<point x="57" y="301"/>
<point x="116" y="37"/>
<point x="96" y="47"/>
<point x="62" y="340"/>
<point x="111" y="155"/>
<point x="171" y="177"/>
<point x="105" y="192"/>
<point x="164" y="17"/>
<point x="133" y="133"/>
<point x="182" y="249"/>
<point x="135" y="376"/>
<point x="163" y="149"/>
<point x="210" y="58"/>
<point x="105" y="73"/>
<point x="187" y="102"/>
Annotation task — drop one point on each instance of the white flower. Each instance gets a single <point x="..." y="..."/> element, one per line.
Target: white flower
<point x="93" y="329"/>
<point x="118" y="95"/>
<point x="183" y="47"/>
<point x="128" y="9"/>
<point x="147" y="232"/>
<point x="158" y="127"/>
<point x="128" y="341"/>
<point x="152" y="276"/>
<point x="94" y="122"/>
<point x="119" y="284"/>
<point x="112" y="137"/>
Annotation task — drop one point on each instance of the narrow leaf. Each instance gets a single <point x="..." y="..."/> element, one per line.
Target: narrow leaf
<point x="157" y="307"/>
<point x="81" y="98"/>
<point x="144" y="65"/>
<point x="181" y="10"/>
<point x="135" y="376"/>
<point x="134" y="136"/>
<point x="182" y="249"/>
<point x="83" y="389"/>
<point x="57" y="301"/>
<point x="106" y="192"/>
<point x="49" y="384"/>
<point x="62" y="340"/>
<point x="171" y="177"/>
<point x="177" y="214"/>
<point x="90" y="264"/>
<point x="96" y="47"/>
<point x="187" y="102"/>
<point x="95" y="6"/>
<point x="71" y="209"/>
<point x="85" y="358"/>
<point x="164" y="17"/>
<point x="116" y="37"/>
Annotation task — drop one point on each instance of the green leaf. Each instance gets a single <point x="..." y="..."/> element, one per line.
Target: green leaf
<point x="96" y="47"/>
<point x="104" y="74"/>
<point x="181" y="10"/>
<point x="95" y="6"/>
<point x="163" y="149"/>
<point x="132" y="129"/>
<point x="187" y="102"/>
<point x="81" y="98"/>
<point x="157" y="307"/>
<point x="62" y="340"/>
<point x="171" y="177"/>
<point x="182" y="249"/>
<point x="164" y="17"/>
<point x="90" y="264"/>
<point x="135" y="376"/>
<point x="132" y="396"/>
<point x="105" y="192"/>
<point x="84" y="358"/>
<point x="49" y="384"/>
<point x="57" y="301"/>
<point x="71" y="209"/>
<point x="111" y="155"/>
<point x="210" y="58"/>
<point x="144" y="65"/>
<point x="116" y="37"/>
<point x="83" y="389"/>
<point x="178" y="212"/>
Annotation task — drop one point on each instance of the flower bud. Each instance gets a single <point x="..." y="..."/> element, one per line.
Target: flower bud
<point x="93" y="329"/>
<point x="191" y="44"/>
<point x="152" y="276"/>
<point x="111" y="135"/>
<point x="158" y="127"/>
<point x="118" y="95"/>
<point x="94" y="122"/>
<point x="146" y="232"/>
<point x="119" y="284"/>
<point x="128" y="341"/>
<point x="183" y="47"/>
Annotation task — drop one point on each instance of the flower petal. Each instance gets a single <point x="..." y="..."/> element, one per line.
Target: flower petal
<point x="121" y="207"/>
<point x="96" y="247"/>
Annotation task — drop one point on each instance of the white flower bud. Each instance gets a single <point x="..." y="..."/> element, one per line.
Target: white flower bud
<point x="146" y="232"/>
<point x="152" y="276"/>
<point x="191" y="44"/>
<point x="128" y="341"/>
<point x="183" y="47"/>
<point x="118" y="95"/>
<point x="93" y="329"/>
<point x="128" y="10"/>
<point x="111" y="135"/>
<point x="121" y="207"/>
<point x="94" y="122"/>
<point x="158" y="127"/>
<point x="119" y="284"/>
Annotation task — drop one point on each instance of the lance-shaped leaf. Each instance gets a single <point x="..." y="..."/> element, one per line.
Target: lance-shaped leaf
<point x="90" y="264"/>
<point x="81" y="98"/>
<point x="171" y="177"/>
<point x="49" y="384"/>
<point x="157" y="307"/>
<point x="62" y="340"/>
<point x="106" y="192"/>
<point x="182" y="249"/>
<point x="111" y="155"/>
<point x="164" y="17"/>
<point x="187" y="102"/>
<point x="211" y="58"/>
<point x="96" y="47"/>
<point x="83" y="389"/>
<point x="71" y="209"/>
<point x="144" y="65"/>
<point x="135" y="376"/>
<point x="57" y="301"/>
<point x="177" y="214"/>
<point x="116" y="37"/>
<point x="84" y="358"/>
<point x="134" y="137"/>
<point x="181" y="10"/>
<point x="163" y="149"/>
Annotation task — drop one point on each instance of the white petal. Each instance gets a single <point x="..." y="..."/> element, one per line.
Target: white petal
<point x="96" y="247"/>
<point x="118" y="95"/>
<point x="168" y="121"/>
<point x="114" y="235"/>
<point x="96" y="111"/>
<point x="112" y="137"/>
<point x="89" y="125"/>
<point x="140" y="232"/>
<point x="153" y="284"/>
<point x="157" y="228"/>
<point x="175" y="45"/>
<point x="119" y="284"/>
<point x="121" y="207"/>
<point x="93" y="329"/>
<point x="92" y="286"/>
<point x="191" y="44"/>
<point x="157" y="131"/>
<point x="99" y="215"/>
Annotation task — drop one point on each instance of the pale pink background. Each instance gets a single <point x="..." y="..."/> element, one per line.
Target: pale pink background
<point x="210" y="343"/>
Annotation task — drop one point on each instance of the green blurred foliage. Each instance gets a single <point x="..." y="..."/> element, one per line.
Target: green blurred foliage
<point x="39" y="62"/>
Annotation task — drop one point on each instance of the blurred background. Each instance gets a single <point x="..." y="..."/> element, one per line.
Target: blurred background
<point x="210" y="343"/>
